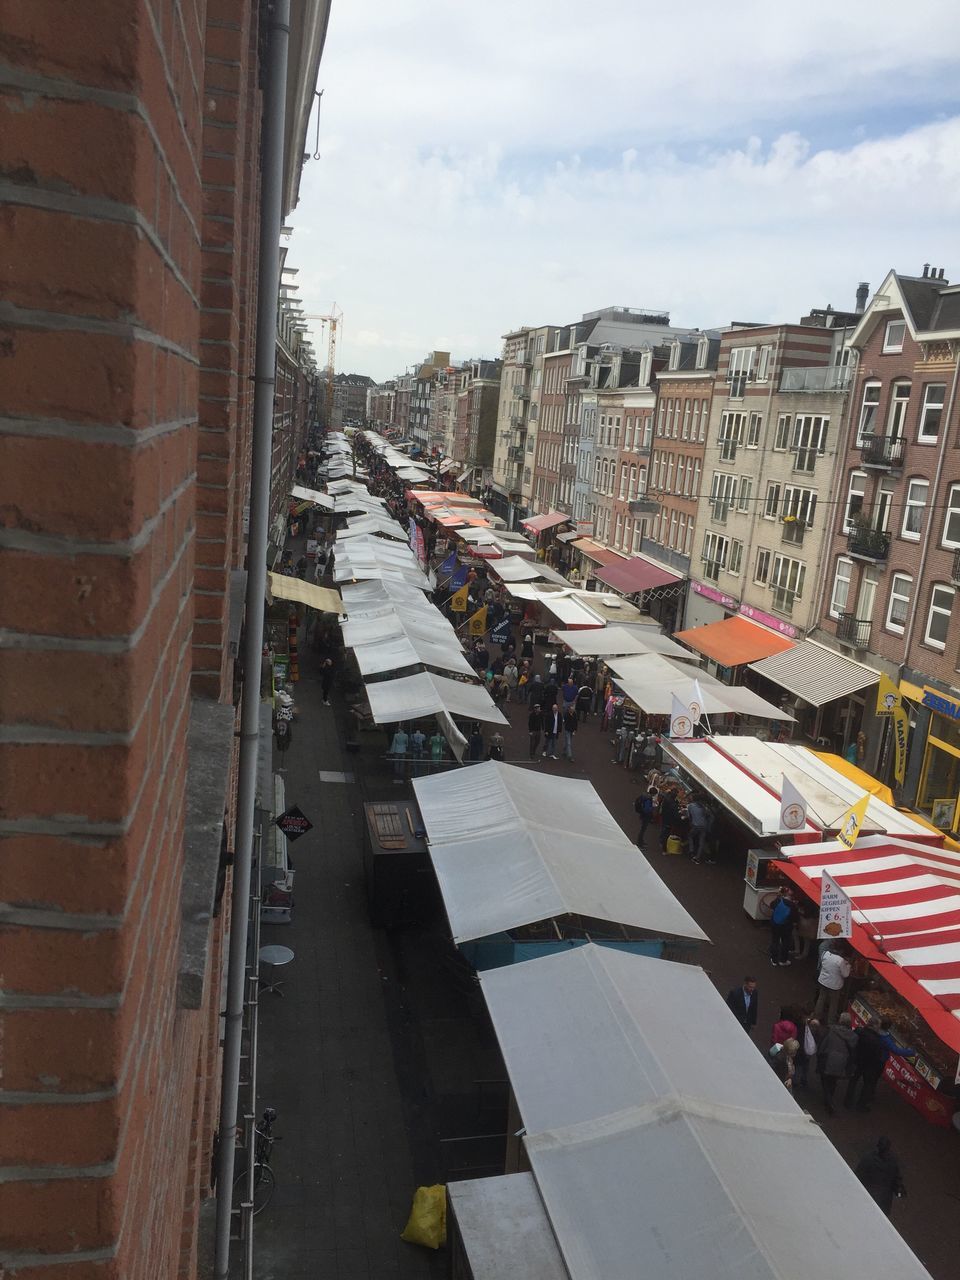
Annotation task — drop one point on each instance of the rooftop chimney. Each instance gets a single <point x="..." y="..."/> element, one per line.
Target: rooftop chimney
<point x="926" y="270"/>
<point x="863" y="292"/>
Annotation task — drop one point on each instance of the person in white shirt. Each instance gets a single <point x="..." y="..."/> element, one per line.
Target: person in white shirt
<point x="834" y="971"/>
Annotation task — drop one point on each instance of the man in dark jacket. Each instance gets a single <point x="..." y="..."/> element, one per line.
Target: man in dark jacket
<point x="782" y="917"/>
<point x="742" y="1002"/>
<point x="879" y="1171"/>
<point x="835" y="1057"/>
<point x="535" y="728"/>
<point x="869" y="1058"/>
<point x="669" y="818"/>
<point x="552" y="728"/>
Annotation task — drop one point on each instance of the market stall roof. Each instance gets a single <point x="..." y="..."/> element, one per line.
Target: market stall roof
<point x="651" y="679"/>
<point x="514" y="568"/>
<point x="645" y="1147"/>
<point x="537" y="524"/>
<point x="621" y="640"/>
<point x="815" y="673"/>
<point x="734" y="641"/>
<point x="401" y="621"/>
<point x="312" y="495"/>
<point x="597" y="553"/>
<point x="283" y="587"/>
<point x="409" y="649"/>
<point x="504" y="1229"/>
<point x="906" y="899"/>
<point x="563" y="604"/>
<point x="569" y="535"/>
<point x="511" y="847"/>
<point x="423" y="694"/>
<point x="636" y="574"/>
<point x="364" y="597"/>
<point x="371" y="524"/>
<point x="379" y="571"/>
<point x="865" y="781"/>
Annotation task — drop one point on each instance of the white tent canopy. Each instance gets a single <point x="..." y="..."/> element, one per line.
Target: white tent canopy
<point x="394" y="653"/>
<point x="358" y="526"/>
<point x="312" y="495"/>
<point x="650" y="680"/>
<point x="656" y="1131"/>
<point x="360" y="596"/>
<point x="424" y="694"/>
<point x="622" y="640"/>
<point x="511" y="847"/>
<point x="426" y="624"/>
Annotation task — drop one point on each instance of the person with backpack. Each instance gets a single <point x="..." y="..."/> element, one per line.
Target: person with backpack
<point x="643" y="808"/>
<point x="781" y="928"/>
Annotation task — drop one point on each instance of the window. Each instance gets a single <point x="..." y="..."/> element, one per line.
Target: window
<point x="761" y="570"/>
<point x="931" y="411"/>
<point x="799" y="503"/>
<point x="669" y="484"/>
<point x="686" y="419"/>
<point x="715" y="548"/>
<point x="731" y="434"/>
<point x="722" y="494"/>
<point x="951" y="523"/>
<point x="743" y="494"/>
<point x="772" y="500"/>
<point x="897" y="415"/>
<point x="661" y="411"/>
<point x="809" y="440"/>
<point x="624" y="477"/>
<point x="787" y="583"/>
<point x="868" y="411"/>
<point x="697" y="468"/>
<point x="704" y="413"/>
<point x="841" y="587"/>
<point x="740" y="368"/>
<point x="893" y="337"/>
<point x="736" y="556"/>
<point x="753" y="431"/>
<point x="781" y="441"/>
<point x="916" y="500"/>
<point x="938" y="619"/>
<point x="681" y="465"/>
<point x="763" y="364"/>
<point x="673" y="529"/>
<point x="898" y="607"/>
<point x="855" y="494"/>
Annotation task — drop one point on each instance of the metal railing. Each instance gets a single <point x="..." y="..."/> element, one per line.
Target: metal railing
<point x="882" y="451"/>
<point x="868" y="544"/>
<point x="853" y="630"/>
<point x="826" y="377"/>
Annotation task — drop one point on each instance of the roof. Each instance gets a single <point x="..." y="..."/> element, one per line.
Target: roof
<point x="645" y="1146"/>
<point x="424" y="694"/>
<point x="594" y="551"/>
<point x="512" y="847"/>
<point x="636" y="574"/>
<point x="815" y="673"/>
<point x="504" y="1229"/>
<point x="734" y="641"/>
<point x="283" y="587"/>
<point x="539" y="523"/>
<point x="620" y="640"/>
<point x="651" y="680"/>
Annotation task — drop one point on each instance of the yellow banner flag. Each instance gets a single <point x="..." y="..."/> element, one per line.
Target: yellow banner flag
<point x="851" y="822"/>
<point x="458" y="601"/>
<point x="478" y="622"/>
<point x="900" y="723"/>
<point x="889" y="698"/>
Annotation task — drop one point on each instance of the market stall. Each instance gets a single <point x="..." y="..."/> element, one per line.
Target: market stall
<point x="620" y="641"/>
<point x="425" y="694"/>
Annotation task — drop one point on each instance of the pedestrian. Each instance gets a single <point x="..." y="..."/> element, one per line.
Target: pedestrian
<point x="643" y="808"/>
<point x="327" y="672"/>
<point x="785" y="1028"/>
<point x="783" y="1058"/>
<point x="570" y="692"/>
<point x="570" y="723"/>
<point x="534" y="728"/>
<point x="742" y="1002"/>
<point x="891" y="1044"/>
<point x="553" y="723"/>
<point x="669" y="818"/>
<point x="512" y="677"/>
<point x="782" y="915"/>
<point x="496" y="747"/>
<point x="879" y="1171"/>
<point x="584" y="701"/>
<point x="523" y="683"/>
<point x="869" y="1059"/>
<point x="810" y="1034"/>
<point x="834" y="971"/>
<point x="835" y="1058"/>
<point x="699" y="817"/>
<point x="526" y="649"/>
<point x="535" y="694"/>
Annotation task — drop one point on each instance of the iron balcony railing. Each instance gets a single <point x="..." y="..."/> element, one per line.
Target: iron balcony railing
<point x="882" y="451"/>
<point x="868" y="544"/>
<point x="826" y="377"/>
<point x="853" y="630"/>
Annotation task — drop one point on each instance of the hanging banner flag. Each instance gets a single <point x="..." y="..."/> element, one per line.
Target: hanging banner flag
<point x="697" y="704"/>
<point x="889" y="698"/>
<point x="793" y="807"/>
<point x="681" y="724"/>
<point x="478" y="622"/>
<point x="500" y="634"/>
<point x="420" y="547"/>
<point x="459" y="577"/>
<point x="900" y="723"/>
<point x="449" y="564"/>
<point x="851" y="822"/>
<point x="836" y="920"/>
<point x="458" y="601"/>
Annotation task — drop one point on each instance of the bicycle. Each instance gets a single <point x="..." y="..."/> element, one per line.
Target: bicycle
<point x="264" y="1181"/>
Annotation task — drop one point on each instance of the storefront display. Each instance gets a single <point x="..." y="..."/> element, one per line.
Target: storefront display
<point x="937" y="794"/>
<point x="924" y="1080"/>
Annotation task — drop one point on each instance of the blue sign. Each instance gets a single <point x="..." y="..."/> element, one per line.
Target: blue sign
<point x="943" y="706"/>
<point x="459" y="577"/>
<point x="501" y="632"/>
<point x="450" y="563"/>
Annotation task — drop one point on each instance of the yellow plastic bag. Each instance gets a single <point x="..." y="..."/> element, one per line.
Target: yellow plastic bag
<point x="674" y="845"/>
<point x="427" y="1224"/>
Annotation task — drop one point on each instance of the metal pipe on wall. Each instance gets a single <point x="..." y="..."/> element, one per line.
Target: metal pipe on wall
<point x="271" y="197"/>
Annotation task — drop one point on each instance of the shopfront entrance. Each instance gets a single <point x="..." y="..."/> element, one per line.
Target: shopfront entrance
<point x="939" y="789"/>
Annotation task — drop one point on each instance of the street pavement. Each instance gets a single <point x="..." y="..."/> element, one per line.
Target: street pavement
<point x="382" y="1063"/>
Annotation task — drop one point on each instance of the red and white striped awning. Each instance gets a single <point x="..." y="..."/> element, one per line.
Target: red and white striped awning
<point x="906" y="898"/>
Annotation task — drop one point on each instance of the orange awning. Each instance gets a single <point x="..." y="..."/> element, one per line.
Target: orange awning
<point x="734" y="641"/>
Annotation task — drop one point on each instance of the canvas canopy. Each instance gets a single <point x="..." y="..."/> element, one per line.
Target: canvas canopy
<point x="358" y="596"/>
<point x="424" y="694"/>
<point x="621" y="640"/>
<point x="312" y="495"/>
<point x="359" y="526"/>
<point x="511" y="847"/>
<point x="650" y="680"/>
<point x="514" y="568"/>
<point x="283" y="587"/>
<point x="425" y="624"/>
<point x="647" y="1144"/>
<point x="394" y="653"/>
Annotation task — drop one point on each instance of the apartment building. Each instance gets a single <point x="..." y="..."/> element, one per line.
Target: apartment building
<point x="518" y="415"/>
<point x="625" y="402"/>
<point x="382" y="405"/>
<point x="421" y="388"/>
<point x="893" y="570"/>
<point x="477" y="385"/>
<point x="553" y="412"/>
<point x="773" y="441"/>
<point x="350" y="398"/>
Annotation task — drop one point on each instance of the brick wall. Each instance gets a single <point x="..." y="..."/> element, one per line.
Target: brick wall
<point x="121" y="337"/>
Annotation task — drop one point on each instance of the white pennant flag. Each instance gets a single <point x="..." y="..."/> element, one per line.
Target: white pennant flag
<point x="793" y="807"/>
<point x="836" y="910"/>
<point x="697" y="704"/>
<point x="681" y="723"/>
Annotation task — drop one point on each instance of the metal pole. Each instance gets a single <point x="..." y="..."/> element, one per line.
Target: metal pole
<point x="271" y="198"/>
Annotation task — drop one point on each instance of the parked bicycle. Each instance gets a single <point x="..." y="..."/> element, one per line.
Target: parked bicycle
<point x="264" y="1182"/>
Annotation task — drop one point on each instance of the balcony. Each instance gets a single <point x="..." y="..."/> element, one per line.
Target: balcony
<point x="865" y="543"/>
<point x="521" y="393"/>
<point x="826" y="377"/>
<point x="882" y="451"/>
<point x="517" y="420"/>
<point x="793" y="531"/>
<point x="522" y="360"/>
<point x="853" y="630"/>
<point x="783" y="600"/>
<point x="515" y="453"/>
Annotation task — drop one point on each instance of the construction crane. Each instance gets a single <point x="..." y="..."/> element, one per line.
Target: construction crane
<point x="333" y="323"/>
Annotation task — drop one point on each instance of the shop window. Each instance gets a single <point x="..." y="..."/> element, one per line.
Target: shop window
<point x="931" y="412"/>
<point x="841" y="587"/>
<point x="938" y="617"/>
<point x="951" y="523"/>
<point x="898" y="606"/>
<point x="914" y="504"/>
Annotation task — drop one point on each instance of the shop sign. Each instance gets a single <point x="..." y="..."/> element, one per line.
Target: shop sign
<point x="711" y="593"/>
<point x="943" y="705"/>
<point x="835" y="910"/>
<point x="768" y="620"/>
<point x="294" y="823"/>
<point x="281" y="668"/>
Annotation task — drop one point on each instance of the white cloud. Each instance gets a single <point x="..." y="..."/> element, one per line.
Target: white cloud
<point x="490" y="166"/>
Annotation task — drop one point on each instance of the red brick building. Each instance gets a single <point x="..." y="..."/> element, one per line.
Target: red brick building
<point x="130" y="145"/>
<point x="549" y="457"/>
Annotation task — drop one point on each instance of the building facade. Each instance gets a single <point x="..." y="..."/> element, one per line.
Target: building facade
<point x="350" y="399"/>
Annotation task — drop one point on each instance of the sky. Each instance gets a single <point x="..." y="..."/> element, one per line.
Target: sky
<point x="515" y="162"/>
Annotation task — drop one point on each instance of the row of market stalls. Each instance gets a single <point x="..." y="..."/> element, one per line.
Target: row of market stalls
<point x="639" y="1108"/>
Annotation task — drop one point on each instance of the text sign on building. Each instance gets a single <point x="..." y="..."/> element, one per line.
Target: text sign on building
<point x="294" y="823"/>
<point x="943" y="705"/>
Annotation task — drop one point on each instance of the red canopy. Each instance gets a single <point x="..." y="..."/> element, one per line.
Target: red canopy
<point x="537" y="524"/>
<point x="636" y="574"/>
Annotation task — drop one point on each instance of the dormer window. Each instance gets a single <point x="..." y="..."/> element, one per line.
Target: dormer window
<point x="893" y="337"/>
<point x="703" y="346"/>
<point x="645" y="369"/>
<point x="674" y="355"/>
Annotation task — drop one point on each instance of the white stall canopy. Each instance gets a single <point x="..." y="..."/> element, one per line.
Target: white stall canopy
<point x="365" y="596"/>
<point x="622" y="640"/>
<point x="400" y="621"/>
<point x="358" y="526"/>
<point x="645" y="1144"/>
<point x="650" y="680"/>
<point x="394" y="653"/>
<point x="312" y="495"/>
<point x="282" y="587"/>
<point x="514" y="568"/>
<point x="423" y="694"/>
<point x="511" y="847"/>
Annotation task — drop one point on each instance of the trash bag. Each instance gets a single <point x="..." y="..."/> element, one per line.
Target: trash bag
<point x="427" y="1224"/>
